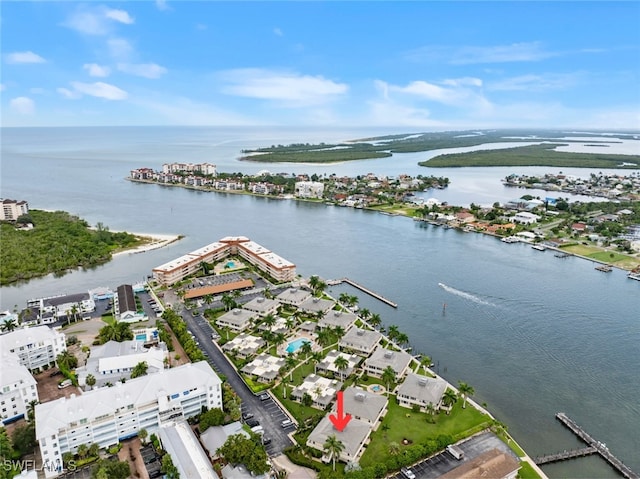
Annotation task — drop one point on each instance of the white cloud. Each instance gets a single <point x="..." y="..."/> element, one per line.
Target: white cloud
<point x="121" y="16"/>
<point x="24" y="57"/>
<point x="291" y="88"/>
<point x="96" y="20"/>
<point x="185" y="111"/>
<point x="119" y="48"/>
<point x="278" y="32"/>
<point x="463" y="92"/>
<point x="515" y="52"/>
<point x="23" y="105"/>
<point x="146" y="70"/>
<point x="100" y="90"/>
<point x="96" y="70"/>
<point x="531" y="82"/>
<point x="162" y="5"/>
<point x="71" y="95"/>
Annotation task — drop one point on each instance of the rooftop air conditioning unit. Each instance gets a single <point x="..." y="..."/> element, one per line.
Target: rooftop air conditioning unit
<point x="388" y="354"/>
<point x="422" y="382"/>
<point x="360" y="397"/>
<point x="360" y="332"/>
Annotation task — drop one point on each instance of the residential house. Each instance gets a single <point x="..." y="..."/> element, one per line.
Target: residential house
<point x="353" y="437"/>
<point x="321" y="390"/>
<point x="187" y="455"/>
<point x="316" y="305"/>
<point x="383" y="358"/>
<point x="365" y="406"/>
<point x="35" y="347"/>
<point x="244" y="345"/>
<point x="294" y="296"/>
<point x="237" y="319"/>
<point x="327" y="365"/>
<point x="262" y="306"/>
<point x="264" y="368"/>
<point x="421" y="390"/>
<point x="361" y="341"/>
<point x="334" y="318"/>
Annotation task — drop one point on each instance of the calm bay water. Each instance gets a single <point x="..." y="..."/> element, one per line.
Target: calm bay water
<point x="531" y="333"/>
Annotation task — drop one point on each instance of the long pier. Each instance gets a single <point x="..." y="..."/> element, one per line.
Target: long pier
<point x="593" y="447"/>
<point x="373" y="294"/>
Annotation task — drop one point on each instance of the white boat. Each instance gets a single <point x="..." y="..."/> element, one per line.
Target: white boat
<point x="510" y="239"/>
<point x="634" y="275"/>
<point x="539" y="247"/>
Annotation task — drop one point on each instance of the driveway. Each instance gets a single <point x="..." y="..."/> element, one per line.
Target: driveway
<point x="268" y="412"/>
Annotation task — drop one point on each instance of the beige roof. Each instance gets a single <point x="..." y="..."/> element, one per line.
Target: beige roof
<point x="218" y="288"/>
<point x="492" y="464"/>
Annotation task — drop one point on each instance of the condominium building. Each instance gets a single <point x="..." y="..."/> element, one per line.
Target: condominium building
<point x="278" y="268"/>
<point x="17" y="388"/>
<point x="309" y="189"/>
<point x="383" y="358"/>
<point x="11" y="209"/>
<point x="109" y="415"/>
<point x="203" y="168"/>
<point x="35" y="347"/>
<point x="421" y="391"/>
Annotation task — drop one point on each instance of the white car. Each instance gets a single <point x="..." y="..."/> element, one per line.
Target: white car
<point x="408" y="473"/>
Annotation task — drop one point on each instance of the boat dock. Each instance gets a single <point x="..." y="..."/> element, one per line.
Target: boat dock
<point x="605" y="268"/>
<point x="593" y="447"/>
<point x="561" y="255"/>
<point x="373" y="294"/>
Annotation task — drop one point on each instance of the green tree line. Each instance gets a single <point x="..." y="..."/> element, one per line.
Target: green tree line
<point x="57" y="242"/>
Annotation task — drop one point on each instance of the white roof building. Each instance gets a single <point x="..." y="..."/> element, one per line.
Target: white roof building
<point x="421" y="390"/>
<point x="109" y="415"/>
<point x="361" y="341"/>
<point x="333" y="319"/>
<point x="35" y="347"/>
<point x="186" y="453"/>
<point x="17" y="388"/>
<point x="383" y="358"/>
<point x="114" y="360"/>
<point x="293" y="296"/>
<point x="237" y="319"/>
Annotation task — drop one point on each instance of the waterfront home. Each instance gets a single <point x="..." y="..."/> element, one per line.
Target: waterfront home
<point x="327" y="365"/>
<point x="383" y="358"/>
<point x="264" y="368"/>
<point x="11" y="209"/>
<point x="309" y="189"/>
<point x="334" y="318"/>
<point x="244" y="345"/>
<point x="262" y="306"/>
<point x="361" y="341"/>
<point x="293" y="296"/>
<point x="525" y="218"/>
<point x="365" y="406"/>
<point x="321" y="390"/>
<point x="316" y="305"/>
<point x="421" y="391"/>
<point x="237" y="319"/>
<point x="353" y="437"/>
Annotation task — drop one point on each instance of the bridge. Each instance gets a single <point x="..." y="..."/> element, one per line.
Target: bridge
<point x="593" y="447"/>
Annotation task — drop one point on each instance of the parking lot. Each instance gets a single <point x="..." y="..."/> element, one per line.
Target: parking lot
<point x="48" y="386"/>
<point x="444" y="462"/>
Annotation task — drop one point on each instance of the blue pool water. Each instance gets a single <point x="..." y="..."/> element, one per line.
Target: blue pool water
<point x="376" y="388"/>
<point x="230" y="264"/>
<point x="297" y="344"/>
<point x="141" y="337"/>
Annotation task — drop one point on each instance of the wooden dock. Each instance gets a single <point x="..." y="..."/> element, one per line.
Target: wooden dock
<point x="593" y="447"/>
<point x="373" y="294"/>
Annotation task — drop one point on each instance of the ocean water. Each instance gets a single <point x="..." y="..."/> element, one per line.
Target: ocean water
<point x="533" y="334"/>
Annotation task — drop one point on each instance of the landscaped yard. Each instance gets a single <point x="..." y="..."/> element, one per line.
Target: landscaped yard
<point x="598" y="254"/>
<point x="404" y="424"/>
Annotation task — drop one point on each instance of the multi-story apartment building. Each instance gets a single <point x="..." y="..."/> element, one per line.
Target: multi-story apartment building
<point x="278" y="268"/>
<point x="11" y="209"/>
<point x="17" y="388"/>
<point x="35" y="347"/>
<point x="309" y="189"/>
<point x="108" y="415"/>
<point x="203" y="168"/>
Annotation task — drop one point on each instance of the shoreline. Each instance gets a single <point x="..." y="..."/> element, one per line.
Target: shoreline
<point x="156" y="241"/>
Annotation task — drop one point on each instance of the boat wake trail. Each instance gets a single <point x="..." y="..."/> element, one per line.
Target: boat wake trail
<point x="462" y="294"/>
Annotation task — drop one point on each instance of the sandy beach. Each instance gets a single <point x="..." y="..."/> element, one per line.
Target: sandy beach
<point x="153" y="241"/>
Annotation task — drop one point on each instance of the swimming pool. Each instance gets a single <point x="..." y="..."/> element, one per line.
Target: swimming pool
<point x="141" y="337"/>
<point x="293" y="346"/>
<point x="230" y="264"/>
<point x="375" y="388"/>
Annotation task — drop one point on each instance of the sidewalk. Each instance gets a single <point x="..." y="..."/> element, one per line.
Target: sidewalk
<point x="294" y="471"/>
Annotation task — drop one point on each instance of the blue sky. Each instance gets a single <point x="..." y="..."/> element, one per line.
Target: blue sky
<point x="430" y="65"/>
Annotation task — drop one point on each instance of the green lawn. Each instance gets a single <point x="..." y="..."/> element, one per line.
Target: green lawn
<point x="527" y="471"/>
<point x="405" y="424"/>
<point x="299" y="411"/>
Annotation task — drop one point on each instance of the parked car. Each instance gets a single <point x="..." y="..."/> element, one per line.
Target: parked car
<point x="65" y="384"/>
<point x="55" y="373"/>
<point x="247" y="415"/>
<point x="252" y="422"/>
<point x="266" y="441"/>
<point x="286" y="423"/>
<point x="408" y="473"/>
<point x="263" y="397"/>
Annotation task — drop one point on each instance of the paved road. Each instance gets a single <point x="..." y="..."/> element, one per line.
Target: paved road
<point x="267" y="412"/>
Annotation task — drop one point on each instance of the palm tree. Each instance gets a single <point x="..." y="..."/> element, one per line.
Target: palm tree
<point x="291" y="363"/>
<point x="306" y="349"/>
<point x="31" y="410"/>
<point x="90" y="380"/>
<point x="290" y="322"/>
<point x="431" y="410"/>
<point x="267" y="336"/>
<point x="228" y="301"/>
<point x="93" y="450"/>
<point x="385" y="427"/>
<point x="393" y="331"/>
<point x="352" y="301"/>
<point x="365" y="314"/>
<point x="343" y="298"/>
<point x="341" y="363"/>
<point x="316" y="357"/>
<point x="142" y="434"/>
<point x="279" y="338"/>
<point x="465" y="390"/>
<point x="375" y="320"/>
<point x="324" y="337"/>
<point x="208" y="298"/>
<point x="449" y="398"/>
<point x="388" y="376"/>
<point x="139" y="369"/>
<point x="74" y="312"/>
<point x="394" y="448"/>
<point x="269" y="320"/>
<point x="9" y="325"/>
<point x="402" y="339"/>
<point x="333" y="446"/>
<point x="313" y="283"/>
<point x="82" y="451"/>
<point x="425" y="362"/>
